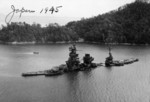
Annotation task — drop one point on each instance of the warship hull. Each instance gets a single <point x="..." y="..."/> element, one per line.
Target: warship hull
<point x="59" y="70"/>
<point x="121" y="62"/>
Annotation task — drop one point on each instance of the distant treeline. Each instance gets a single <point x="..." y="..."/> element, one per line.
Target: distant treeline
<point x="23" y="32"/>
<point x="128" y="24"/>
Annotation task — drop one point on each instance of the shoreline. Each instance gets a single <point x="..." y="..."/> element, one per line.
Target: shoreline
<point x="68" y="42"/>
<point x="127" y="44"/>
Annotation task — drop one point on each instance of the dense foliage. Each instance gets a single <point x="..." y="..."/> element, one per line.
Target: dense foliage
<point x="23" y="32"/>
<point x="127" y="24"/>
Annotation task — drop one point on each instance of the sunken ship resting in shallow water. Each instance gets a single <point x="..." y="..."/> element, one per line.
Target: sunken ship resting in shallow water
<point x="73" y="64"/>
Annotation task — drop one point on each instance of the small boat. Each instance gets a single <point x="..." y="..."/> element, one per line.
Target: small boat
<point x="35" y="52"/>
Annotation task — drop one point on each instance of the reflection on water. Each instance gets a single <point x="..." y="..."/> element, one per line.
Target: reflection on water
<point x="130" y="83"/>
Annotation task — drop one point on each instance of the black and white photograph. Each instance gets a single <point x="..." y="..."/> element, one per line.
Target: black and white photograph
<point x="74" y="50"/>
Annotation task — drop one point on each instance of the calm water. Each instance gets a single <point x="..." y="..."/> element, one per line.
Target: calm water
<point x="130" y="83"/>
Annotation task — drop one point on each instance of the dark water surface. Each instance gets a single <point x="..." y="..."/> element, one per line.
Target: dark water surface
<point x="130" y="83"/>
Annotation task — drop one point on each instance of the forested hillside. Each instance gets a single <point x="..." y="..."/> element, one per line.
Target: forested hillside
<point x="128" y="24"/>
<point x="23" y="32"/>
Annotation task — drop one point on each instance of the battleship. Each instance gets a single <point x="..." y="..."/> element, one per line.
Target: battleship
<point x="74" y="64"/>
